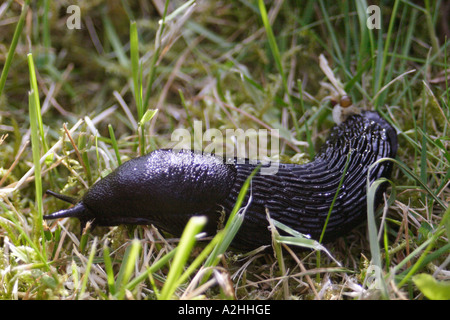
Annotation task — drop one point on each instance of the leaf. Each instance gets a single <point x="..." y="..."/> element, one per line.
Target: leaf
<point x="299" y="239"/>
<point x="431" y="288"/>
<point x="187" y="241"/>
<point x="148" y="115"/>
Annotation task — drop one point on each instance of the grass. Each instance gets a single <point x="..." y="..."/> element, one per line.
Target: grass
<point x="75" y="104"/>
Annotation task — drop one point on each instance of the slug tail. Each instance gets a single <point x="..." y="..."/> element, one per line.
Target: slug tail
<point x="77" y="211"/>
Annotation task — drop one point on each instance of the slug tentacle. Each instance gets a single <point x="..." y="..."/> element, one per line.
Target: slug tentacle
<point x="77" y="211"/>
<point x="63" y="197"/>
<point x="167" y="187"/>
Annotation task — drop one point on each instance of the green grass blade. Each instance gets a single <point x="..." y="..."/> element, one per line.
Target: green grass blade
<point x="157" y="51"/>
<point x="233" y="223"/>
<point x="135" y="69"/>
<point x="12" y="48"/>
<point x="298" y="239"/>
<point x="373" y="234"/>
<point x="153" y="268"/>
<point x="177" y="11"/>
<point x="115" y="41"/>
<point x="336" y="195"/>
<point x="184" y="248"/>
<point x="29" y="241"/>
<point x="148" y="115"/>
<point x="36" y="129"/>
<point x="371" y="220"/>
<point x="277" y="57"/>
<point x="366" y="41"/>
<point x="35" y="90"/>
<point x="307" y="131"/>
<point x="198" y="260"/>
<point x="114" y="144"/>
<point x="127" y="267"/>
<point x="381" y="71"/>
<point x="188" y="116"/>
<point x="36" y="150"/>
<point x="423" y="155"/>
<point x="278" y="252"/>
<point x="109" y="270"/>
<point x="87" y="270"/>
<point x="444" y="225"/>
<point x="222" y="240"/>
<point x="431" y="288"/>
<point x="406" y="170"/>
<point x="431" y="28"/>
<point x="332" y="34"/>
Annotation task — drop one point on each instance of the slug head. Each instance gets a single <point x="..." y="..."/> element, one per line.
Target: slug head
<point x="164" y="188"/>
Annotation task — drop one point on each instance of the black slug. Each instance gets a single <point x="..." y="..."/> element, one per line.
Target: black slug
<point x="165" y="188"/>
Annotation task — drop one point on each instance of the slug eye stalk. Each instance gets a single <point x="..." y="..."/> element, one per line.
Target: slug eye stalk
<point x="62" y="197"/>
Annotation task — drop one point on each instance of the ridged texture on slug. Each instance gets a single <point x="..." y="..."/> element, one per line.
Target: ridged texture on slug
<point x="300" y="196"/>
<point x="166" y="188"/>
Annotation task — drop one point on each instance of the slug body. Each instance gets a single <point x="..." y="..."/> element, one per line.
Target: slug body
<point x="167" y="187"/>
